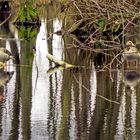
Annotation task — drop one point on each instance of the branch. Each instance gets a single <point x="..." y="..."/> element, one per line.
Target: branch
<point x="59" y="62"/>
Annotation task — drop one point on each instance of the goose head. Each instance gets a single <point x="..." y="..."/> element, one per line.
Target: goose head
<point x="130" y="44"/>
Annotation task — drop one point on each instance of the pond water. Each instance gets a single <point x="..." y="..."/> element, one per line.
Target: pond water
<point x="39" y="102"/>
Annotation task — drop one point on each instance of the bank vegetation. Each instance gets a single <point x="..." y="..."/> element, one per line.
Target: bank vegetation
<point x="102" y="22"/>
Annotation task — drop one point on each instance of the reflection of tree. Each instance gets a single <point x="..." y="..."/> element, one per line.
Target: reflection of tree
<point x="26" y="90"/>
<point x="23" y="92"/>
<point x="4" y="78"/>
<point x="16" y="108"/>
<point x="82" y="109"/>
<point x="105" y="116"/>
<point x="65" y="105"/>
<point x="131" y="84"/>
<point x="15" y="102"/>
<point x="82" y="102"/>
<point x="138" y="112"/>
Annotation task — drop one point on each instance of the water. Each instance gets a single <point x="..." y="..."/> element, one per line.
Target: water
<point x="40" y="103"/>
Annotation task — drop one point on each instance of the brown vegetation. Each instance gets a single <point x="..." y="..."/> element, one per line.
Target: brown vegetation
<point x="104" y="20"/>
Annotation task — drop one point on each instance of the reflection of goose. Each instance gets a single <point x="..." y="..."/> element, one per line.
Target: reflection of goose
<point x="5" y="55"/>
<point x="131" y="79"/>
<point x="2" y="97"/>
<point x="5" y="77"/>
<point x="5" y="51"/>
<point x="131" y="54"/>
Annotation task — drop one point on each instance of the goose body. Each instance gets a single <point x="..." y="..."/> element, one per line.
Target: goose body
<point x="5" y="55"/>
<point x="131" y="54"/>
<point x="4" y="50"/>
<point x="2" y="65"/>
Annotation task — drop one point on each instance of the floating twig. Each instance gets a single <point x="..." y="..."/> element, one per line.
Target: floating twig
<point x="59" y="62"/>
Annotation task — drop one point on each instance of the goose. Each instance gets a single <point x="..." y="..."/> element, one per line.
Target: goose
<point x="5" y="55"/>
<point x="130" y="48"/>
<point x="131" y="54"/>
<point x="2" y="65"/>
<point x="5" y="51"/>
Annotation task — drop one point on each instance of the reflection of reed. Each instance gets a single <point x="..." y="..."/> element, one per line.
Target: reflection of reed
<point x="82" y="114"/>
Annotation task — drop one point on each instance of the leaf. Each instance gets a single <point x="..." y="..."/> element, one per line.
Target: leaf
<point x="100" y="23"/>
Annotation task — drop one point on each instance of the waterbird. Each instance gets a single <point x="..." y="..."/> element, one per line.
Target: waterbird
<point x="5" y="55"/>
<point x="5" y="51"/>
<point x="131" y="54"/>
<point x="2" y="65"/>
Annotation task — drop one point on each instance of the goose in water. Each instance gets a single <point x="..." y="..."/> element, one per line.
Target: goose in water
<point x="2" y="65"/>
<point x="5" y="55"/>
<point x="131" y="54"/>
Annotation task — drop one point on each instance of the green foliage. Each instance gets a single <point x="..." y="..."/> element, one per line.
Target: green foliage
<point x="100" y="23"/>
<point x="28" y="13"/>
<point x="97" y="44"/>
<point x="27" y="33"/>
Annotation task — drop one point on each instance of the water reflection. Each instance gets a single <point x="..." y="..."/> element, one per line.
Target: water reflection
<point x="7" y="79"/>
<point x="40" y="88"/>
<point x="65" y="104"/>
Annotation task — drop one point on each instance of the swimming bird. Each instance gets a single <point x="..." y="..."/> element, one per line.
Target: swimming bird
<point x="130" y="47"/>
<point x="131" y="54"/>
<point x="5" y="51"/>
<point x="2" y="65"/>
<point x="5" y="55"/>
